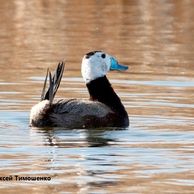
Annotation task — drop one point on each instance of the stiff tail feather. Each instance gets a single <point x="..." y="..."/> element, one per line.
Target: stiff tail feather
<point x="54" y="82"/>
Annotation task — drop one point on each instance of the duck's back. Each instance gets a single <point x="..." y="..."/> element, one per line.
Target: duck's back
<point x="80" y="114"/>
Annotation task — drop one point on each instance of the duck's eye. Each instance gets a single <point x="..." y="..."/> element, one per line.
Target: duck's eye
<point x="103" y="55"/>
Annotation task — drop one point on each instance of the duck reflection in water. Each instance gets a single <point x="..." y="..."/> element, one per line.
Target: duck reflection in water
<point x="81" y="138"/>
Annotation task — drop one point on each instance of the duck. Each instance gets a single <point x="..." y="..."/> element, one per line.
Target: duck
<point x="103" y="108"/>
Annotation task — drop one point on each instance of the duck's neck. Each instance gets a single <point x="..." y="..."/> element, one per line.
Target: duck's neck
<point x="100" y="90"/>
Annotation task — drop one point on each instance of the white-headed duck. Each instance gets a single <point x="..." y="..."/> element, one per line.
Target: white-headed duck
<point x="104" y="109"/>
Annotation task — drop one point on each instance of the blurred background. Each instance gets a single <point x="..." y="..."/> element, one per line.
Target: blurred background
<point x="155" y="35"/>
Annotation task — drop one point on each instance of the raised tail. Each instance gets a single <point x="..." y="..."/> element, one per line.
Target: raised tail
<point x="54" y="82"/>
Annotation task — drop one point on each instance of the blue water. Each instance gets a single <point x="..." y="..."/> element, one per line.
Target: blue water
<point x="93" y="156"/>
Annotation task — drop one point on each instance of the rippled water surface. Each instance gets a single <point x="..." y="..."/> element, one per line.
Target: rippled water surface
<point x="155" y="39"/>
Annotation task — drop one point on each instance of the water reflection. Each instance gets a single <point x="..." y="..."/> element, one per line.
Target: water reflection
<point x="65" y="138"/>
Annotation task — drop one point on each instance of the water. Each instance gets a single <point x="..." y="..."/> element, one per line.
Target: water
<point x="155" y="39"/>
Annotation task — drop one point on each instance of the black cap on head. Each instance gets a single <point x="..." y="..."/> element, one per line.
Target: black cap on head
<point x="88" y="55"/>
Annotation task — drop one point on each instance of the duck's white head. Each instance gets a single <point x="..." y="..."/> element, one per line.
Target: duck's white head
<point x="97" y="64"/>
